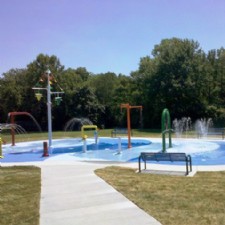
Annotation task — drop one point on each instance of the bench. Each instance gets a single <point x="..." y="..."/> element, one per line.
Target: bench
<point x="159" y="156"/>
<point x="212" y="132"/>
<point x="117" y="131"/>
<point x="216" y="132"/>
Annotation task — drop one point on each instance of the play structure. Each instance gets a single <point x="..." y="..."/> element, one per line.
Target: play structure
<point x="84" y="137"/>
<point x="166" y="128"/>
<point x="85" y="127"/>
<point x="129" y="107"/>
<point x="48" y="78"/>
<point x="11" y="118"/>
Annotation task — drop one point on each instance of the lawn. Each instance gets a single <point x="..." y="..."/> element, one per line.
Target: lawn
<point x="172" y="200"/>
<point x="6" y="136"/>
<point x="20" y="189"/>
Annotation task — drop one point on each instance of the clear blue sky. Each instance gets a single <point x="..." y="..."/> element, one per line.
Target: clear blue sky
<point x="103" y="35"/>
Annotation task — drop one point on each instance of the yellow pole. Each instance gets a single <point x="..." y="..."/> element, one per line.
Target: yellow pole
<point x="1" y="156"/>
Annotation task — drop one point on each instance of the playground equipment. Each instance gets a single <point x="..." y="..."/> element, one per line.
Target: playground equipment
<point x="119" y="146"/>
<point x="88" y="127"/>
<point x="38" y="96"/>
<point x="11" y="117"/>
<point x="45" y="149"/>
<point x="84" y="137"/>
<point x="50" y="79"/>
<point x="166" y="128"/>
<point x="129" y="107"/>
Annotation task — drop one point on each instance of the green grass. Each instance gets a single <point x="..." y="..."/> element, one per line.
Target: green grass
<point x="19" y="195"/>
<point x="149" y="133"/>
<point x="173" y="200"/>
<point x="6" y="136"/>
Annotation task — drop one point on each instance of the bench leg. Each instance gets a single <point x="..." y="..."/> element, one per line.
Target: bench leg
<point x="190" y="161"/>
<point x="139" y="164"/>
<point x="187" y="168"/>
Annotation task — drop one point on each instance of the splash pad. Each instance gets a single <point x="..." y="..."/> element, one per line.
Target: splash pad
<point x="203" y="152"/>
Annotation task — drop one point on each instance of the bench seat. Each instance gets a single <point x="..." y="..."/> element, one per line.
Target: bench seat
<point x="118" y="131"/>
<point x="159" y="156"/>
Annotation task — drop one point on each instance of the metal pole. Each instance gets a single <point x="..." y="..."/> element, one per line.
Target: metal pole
<point x="129" y="107"/>
<point x="49" y="106"/>
<point x="45" y="149"/>
<point x="119" y="145"/>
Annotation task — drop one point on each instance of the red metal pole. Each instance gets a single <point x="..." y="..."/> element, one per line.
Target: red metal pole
<point x="45" y="149"/>
<point x="12" y="115"/>
<point x="128" y="107"/>
<point x="12" y="121"/>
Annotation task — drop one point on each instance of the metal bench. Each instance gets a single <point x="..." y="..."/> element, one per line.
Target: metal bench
<point x="216" y="132"/>
<point x="159" y="156"/>
<point x="212" y="132"/>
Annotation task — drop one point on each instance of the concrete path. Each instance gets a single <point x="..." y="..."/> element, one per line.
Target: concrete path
<point x="73" y="195"/>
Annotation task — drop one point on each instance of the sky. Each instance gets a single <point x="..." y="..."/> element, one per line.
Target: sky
<point x="103" y="35"/>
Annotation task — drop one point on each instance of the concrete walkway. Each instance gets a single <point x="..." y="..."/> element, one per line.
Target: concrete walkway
<point x="73" y="195"/>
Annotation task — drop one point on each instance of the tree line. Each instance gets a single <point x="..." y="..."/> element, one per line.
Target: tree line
<point x="177" y="75"/>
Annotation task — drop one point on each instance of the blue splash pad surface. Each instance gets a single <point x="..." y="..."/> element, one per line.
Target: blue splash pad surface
<point x="203" y="152"/>
<point x="105" y="149"/>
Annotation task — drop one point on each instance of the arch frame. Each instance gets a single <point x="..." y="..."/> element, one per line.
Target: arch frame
<point x="166" y="128"/>
<point x="87" y="127"/>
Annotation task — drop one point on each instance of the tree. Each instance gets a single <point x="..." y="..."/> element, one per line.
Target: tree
<point x="82" y="102"/>
<point x="104" y="86"/>
<point x="173" y="79"/>
<point x="221" y="75"/>
<point x="13" y="90"/>
<point x="70" y="80"/>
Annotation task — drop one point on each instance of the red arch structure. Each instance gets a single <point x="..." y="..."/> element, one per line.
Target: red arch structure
<point x="11" y="116"/>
